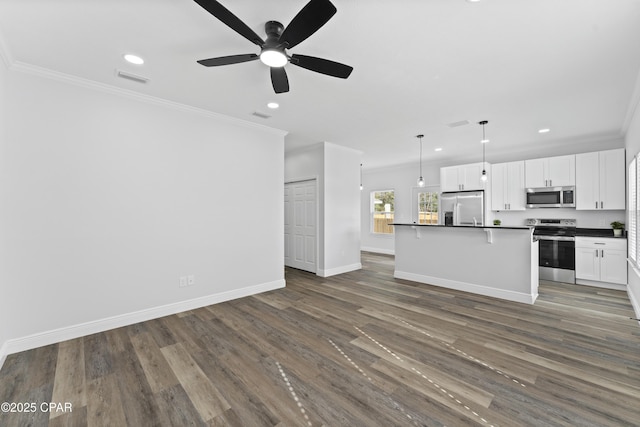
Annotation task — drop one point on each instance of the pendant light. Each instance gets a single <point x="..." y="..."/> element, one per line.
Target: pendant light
<point x="484" y="143"/>
<point x="361" y="187"/>
<point x="420" y="180"/>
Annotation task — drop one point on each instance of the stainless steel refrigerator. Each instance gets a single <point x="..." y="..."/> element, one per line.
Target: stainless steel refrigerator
<point x="463" y="208"/>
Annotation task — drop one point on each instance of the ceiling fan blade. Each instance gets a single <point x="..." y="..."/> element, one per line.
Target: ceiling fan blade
<point x="323" y="66"/>
<point x="228" y="60"/>
<point x="229" y="19"/>
<point x="314" y="15"/>
<point x="279" y="80"/>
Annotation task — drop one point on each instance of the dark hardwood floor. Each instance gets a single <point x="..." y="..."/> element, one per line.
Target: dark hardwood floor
<point x="358" y="349"/>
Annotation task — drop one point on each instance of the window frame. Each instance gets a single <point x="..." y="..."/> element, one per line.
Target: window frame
<point x="426" y="190"/>
<point x="372" y="213"/>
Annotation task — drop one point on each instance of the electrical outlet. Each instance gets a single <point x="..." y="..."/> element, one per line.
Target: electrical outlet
<point x="191" y="280"/>
<point x="183" y="281"/>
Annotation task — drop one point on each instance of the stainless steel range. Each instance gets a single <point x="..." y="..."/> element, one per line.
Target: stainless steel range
<point x="557" y="242"/>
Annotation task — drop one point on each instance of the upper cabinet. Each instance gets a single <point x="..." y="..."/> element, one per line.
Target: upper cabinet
<point x="462" y="178"/>
<point x="600" y="180"/>
<point x="507" y="186"/>
<point x="557" y="171"/>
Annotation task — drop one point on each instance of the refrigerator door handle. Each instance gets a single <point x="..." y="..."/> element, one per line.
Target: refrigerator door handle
<point x="456" y="220"/>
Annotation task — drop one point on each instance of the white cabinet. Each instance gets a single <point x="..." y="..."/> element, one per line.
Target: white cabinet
<point x="463" y="177"/>
<point x="601" y="260"/>
<point x="600" y="180"/>
<point x="557" y="171"/>
<point x="507" y="186"/>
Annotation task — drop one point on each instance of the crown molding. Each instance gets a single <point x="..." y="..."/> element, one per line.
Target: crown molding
<point x="634" y="103"/>
<point x="5" y="53"/>
<point x="21" y="67"/>
<point x="47" y="73"/>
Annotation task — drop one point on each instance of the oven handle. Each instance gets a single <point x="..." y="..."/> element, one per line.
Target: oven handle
<point x="555" y="238"/>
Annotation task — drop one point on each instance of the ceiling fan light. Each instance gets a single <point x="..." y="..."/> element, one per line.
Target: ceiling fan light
<point x="273" y="58"/>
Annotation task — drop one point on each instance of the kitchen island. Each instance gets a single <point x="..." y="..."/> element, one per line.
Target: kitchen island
<point x="495" y="261"/>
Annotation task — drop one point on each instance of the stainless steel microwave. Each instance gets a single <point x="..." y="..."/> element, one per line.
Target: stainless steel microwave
<point x="551" y="197"/>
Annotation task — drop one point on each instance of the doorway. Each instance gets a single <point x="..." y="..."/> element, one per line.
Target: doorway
<point x="300" y="225"/>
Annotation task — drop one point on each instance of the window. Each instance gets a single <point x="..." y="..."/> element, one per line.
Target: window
<point x="382" y="209"/>
<point x="632" y="226"/>
<point x="428" y="207"/>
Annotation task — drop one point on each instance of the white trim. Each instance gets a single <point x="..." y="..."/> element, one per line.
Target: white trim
<point x="6" y="56"/>
<point x="378" y="250"/>
<point x="3" y="353"/>
<point x="114" y="90"/>
<point x="75" y="331"/>
<point x="634" y="303"/>
<point x="468" y="287"/>
<point x="603" y="285"/>
<point x="339" y="270"/>
<point x="634" y="102"/>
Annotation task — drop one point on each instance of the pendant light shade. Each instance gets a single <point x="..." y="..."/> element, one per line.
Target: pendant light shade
<point x="420" y="179"/>
<point x="484" y="141"/>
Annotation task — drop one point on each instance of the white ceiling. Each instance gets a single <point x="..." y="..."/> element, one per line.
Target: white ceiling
<point x="569" y="65"/>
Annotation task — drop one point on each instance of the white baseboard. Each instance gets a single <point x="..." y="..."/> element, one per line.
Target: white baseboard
<point x="75" y="331"/>
<point x="634" y="303"/>
<point x="339" y="270"/>
<point x="378" y="250"/>
<point x="468" y="287"/>
<point x="603" y="285"/>
<point x="3" y="353"/>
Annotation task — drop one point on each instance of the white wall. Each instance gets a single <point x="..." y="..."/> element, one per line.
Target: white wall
<point x="4" y="302"/>
<point x="403" y="180"/>
<point x="337" y="170"/>
<point x="632" y="144"/>
<point x="341" y="209"/>
<point x="111" y="198"/>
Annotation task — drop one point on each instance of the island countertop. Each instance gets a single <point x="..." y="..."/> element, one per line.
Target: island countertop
<point x="481" y="227"/>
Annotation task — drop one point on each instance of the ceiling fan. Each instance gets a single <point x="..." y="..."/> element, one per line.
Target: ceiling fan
<point x="273" y="52"/>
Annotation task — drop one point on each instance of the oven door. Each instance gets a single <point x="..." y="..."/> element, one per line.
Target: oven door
<point x="557" y="259"/>
<point x="557" y="252"/>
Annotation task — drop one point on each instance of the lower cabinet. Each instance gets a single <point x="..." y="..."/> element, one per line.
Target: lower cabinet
<point x="601" y="260"/>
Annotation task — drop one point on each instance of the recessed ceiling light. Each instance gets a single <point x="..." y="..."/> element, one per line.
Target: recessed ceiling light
<point x="545" y="130"/>
<point x="438" y="149"/>
<point x="273" y="105"/>
<point x="133" y="59"/>
<point x="484" y="141"/>
<point x="473" y="1"/>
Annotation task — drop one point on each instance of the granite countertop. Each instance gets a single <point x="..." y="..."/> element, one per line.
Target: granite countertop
<point x="597" y="232"/>
<point x="504" y="227"/>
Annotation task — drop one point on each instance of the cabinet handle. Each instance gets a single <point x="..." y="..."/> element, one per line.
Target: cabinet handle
<point x="550" y="183"/>
<point x="596" y="253"/>
<point x="601" y="205"/>
<point x="596" y="205"/>
<point x="602" y="253"/>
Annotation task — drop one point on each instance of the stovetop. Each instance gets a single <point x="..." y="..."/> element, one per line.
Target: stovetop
<point x="553" y="227"/>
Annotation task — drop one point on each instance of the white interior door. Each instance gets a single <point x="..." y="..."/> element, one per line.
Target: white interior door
<point x="300" y="225"/>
